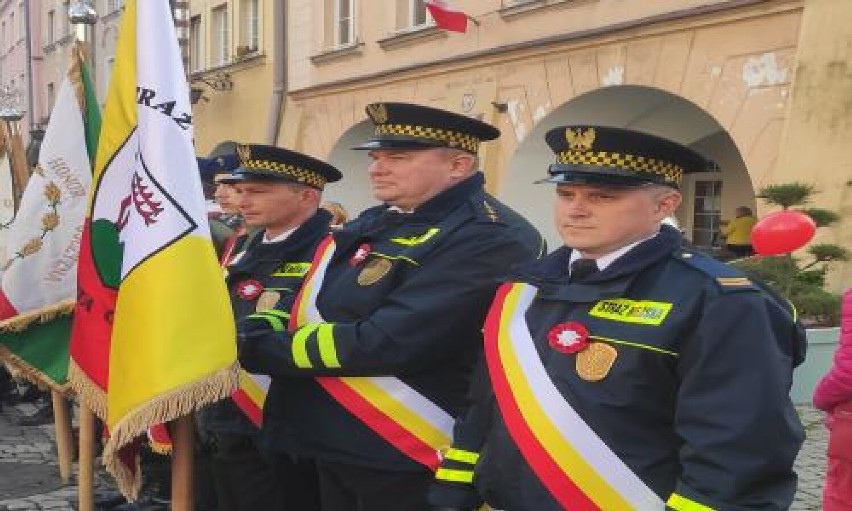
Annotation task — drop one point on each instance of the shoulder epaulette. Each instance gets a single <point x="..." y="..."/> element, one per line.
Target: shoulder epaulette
<point x="486" y="211"/>
<point x="726" y="277"/>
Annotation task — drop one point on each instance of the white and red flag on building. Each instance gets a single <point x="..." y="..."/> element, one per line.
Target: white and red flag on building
<point x="446" y="16"/>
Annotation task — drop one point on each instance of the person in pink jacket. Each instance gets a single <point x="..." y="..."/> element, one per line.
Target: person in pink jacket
<point x="834" y="395"/>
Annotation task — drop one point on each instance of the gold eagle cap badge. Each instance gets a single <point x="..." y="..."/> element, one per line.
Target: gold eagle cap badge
<point x="579" y="139"/>
<point x="378" y="112"/>
<point x="243" y="153"/>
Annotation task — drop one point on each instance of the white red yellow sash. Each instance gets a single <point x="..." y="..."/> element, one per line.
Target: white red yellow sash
<point x="403" y="417"/>
<point x="572" y="462"/>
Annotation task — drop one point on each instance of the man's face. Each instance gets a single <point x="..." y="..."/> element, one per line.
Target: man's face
<point x="226" y="196"/>
<point x="272" y="205"/>
<point x="597" y="220"/>
<point x="408" y="178"/>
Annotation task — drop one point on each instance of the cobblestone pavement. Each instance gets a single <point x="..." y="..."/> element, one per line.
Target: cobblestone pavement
<point x="30" y="476"/>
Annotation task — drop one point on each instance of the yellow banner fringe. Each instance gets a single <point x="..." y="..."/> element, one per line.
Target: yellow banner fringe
<point x="177" y="403"/>
<point x="88" y="392"/>
<point x="24" y="370"/>
<point x="21" y="322"/>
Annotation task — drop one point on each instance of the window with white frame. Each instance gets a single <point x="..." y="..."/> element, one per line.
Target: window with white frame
<point x="51" y="35"/>
<point x="114" y="5"/>
<point x="250" y="25"/>
<point x="411" y="14"/>
<point x="343" y="19"/>
<point x="64" y="22"/>
<point x="418" y="14"/>
<point x="22" y="20"/>
<point x="51" y="96"/>
<point x="219" y="27"/>
<point x="196" y="44"/>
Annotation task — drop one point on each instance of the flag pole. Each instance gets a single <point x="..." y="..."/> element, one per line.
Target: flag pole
<point x="86" y="476"/>
<point x="64" y="436"/>
<point x="183" y="496"/>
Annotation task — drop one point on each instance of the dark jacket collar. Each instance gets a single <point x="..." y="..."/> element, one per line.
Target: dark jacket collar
<point x="550" y="273"/>
<point x="300" y="240"/>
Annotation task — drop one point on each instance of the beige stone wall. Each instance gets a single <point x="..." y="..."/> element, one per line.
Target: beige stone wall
<point x="734" y="65"/>
<point x="817" y="142"/>
<point x="240" y="113"/>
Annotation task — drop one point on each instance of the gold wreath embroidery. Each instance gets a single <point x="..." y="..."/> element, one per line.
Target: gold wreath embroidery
<point x="378" y="112"/>
<point x="49" y="222"/>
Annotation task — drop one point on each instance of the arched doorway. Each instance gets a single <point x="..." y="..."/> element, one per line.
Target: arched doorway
<point x="708" y="197"/>
<point x="354" y="190"/>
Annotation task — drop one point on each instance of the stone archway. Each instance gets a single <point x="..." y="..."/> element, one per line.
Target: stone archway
<point x="354" y="190"/>
<point x="708" y="197"/>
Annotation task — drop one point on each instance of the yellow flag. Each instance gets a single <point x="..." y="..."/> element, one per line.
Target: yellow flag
<point x="172" y="337"/>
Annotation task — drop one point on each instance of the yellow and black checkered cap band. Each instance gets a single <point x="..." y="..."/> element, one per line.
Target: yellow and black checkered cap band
<point x="445" y="137"/>
<point x="285" y="170"/>
<point x="669" y="172"/>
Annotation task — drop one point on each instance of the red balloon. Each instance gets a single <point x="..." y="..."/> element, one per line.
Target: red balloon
<point x="782" y="232"/>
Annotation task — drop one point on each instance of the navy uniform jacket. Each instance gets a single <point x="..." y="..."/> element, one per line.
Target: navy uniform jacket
<point x="280" y="268"/>
<point x="420" y="322"/>
<point x="698" y="406"/>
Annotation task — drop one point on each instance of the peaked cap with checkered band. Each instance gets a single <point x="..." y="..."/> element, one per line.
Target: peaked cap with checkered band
<point x="619" y="157"/>
<point x="410" y="126"/>
<point x="265" y="162"/>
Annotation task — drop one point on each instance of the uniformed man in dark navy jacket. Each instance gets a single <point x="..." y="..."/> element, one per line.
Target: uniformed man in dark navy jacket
<point x="279" y="193"/>
<point x="387" y="328"/>
<point x="624" y="371"/>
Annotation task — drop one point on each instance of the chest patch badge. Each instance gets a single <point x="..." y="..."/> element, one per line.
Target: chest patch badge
<point x="570" y="337"/>
<point x="249" y="289"/>
<point x="360" y="255"/>
<point x="595" y="362"/>
<point x="267" y="300"/>
<point x="640" y="312"/>
<point x="374" y="271"/>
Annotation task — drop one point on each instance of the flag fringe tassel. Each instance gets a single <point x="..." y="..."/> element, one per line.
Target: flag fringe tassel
<point x="23" y="321"/>
<point x="176" y="403"/>
<point x="89" y="393"/>
<point x="20" y="368"/>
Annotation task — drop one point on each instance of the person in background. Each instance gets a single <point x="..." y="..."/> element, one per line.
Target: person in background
<point x="833" y="395"/>
<point x="339" y="216"/>
<point x="225" y="220"/>
<point x="624" y="371"/>
<point x="737" y="233"/>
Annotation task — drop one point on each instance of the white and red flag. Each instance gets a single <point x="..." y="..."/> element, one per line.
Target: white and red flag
<point x="446" y="16"/>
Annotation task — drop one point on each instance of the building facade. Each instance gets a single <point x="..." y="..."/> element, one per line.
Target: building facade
<point x="760" y="86"/>
<point x="231" y="64"/>
<point x="20" y="24"/>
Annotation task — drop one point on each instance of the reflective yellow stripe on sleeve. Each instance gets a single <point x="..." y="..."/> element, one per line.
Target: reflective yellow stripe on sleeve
<point x="462" y="456"/>
<point x="325" y="343"/>
<point x="276" y="324"/>
<point x="277" y="313"/>
<point x="456" y="476"/>
<point x="681" y="503"/>
<point x="300" y="346"/>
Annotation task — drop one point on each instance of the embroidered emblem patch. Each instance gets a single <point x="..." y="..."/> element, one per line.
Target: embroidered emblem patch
<point x="249" y="289"/>
<point x="267" y="300"/>
<point x="640" y="312"/>
<point x="374" y="271"/>
<point x="595" y="362"/>
<point x="569" y="337"/>
<point x="360" y="255"/>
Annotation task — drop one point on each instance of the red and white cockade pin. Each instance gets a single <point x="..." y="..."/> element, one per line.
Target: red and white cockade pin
<point x="249" y="289"/>
<point x="360" y="254"/>
<point x="569" y="337"/>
